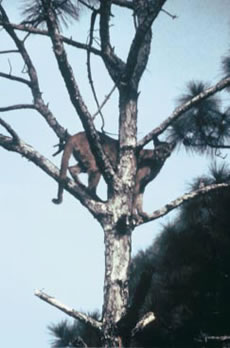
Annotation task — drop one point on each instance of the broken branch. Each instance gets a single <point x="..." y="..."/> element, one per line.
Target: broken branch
<point x="69" y="311"/>
<point x="146" y="320"/>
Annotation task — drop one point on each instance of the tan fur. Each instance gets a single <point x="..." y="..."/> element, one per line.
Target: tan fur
<point x="78" y="146"/>
<point x="149" y="163"/>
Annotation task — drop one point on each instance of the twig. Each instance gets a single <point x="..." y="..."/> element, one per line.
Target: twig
<point x="17" y="107"/>
<point x="9" y="51"/>
<point x="104" y="102"/>
<point x="93" y="20"/>
<point x="87" y="5"/>
<point x="71" y="312"/>
<point x="15" y="78"/>
<point x="169" y="14"/>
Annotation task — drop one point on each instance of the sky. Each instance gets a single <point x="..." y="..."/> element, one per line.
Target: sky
<point x="60" y="249"/>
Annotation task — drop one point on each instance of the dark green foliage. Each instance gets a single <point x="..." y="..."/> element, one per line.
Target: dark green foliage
<point x="191" y="283"/>
<point x="204" y="127"/>
<point x="72" y="335"/>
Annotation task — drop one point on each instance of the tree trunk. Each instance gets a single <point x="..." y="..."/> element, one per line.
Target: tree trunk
<point x="116" y="292"/>
<point x="117" y="224"/>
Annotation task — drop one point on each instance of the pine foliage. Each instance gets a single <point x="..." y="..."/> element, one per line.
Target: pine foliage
<point x="35" y="11"/>
<point x="204" y="127"/>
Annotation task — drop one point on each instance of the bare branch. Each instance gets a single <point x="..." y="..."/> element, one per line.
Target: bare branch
<point x="169" y="14"/>
<point x="25" y="56"/>
<point x="76" y="189"/>
<point x="76" y="98"/>
<point x="15" y="78"/>
<point x="180" y="200"/>
<point x="146" y="320"/>
<point x="69" y="311"/>
<point x="180" y="110"/>
<point x="140" y="47"/>
<point x="114" y="64"/>
<point x="123" y="3"/>
<point x="104" y="102"/>
<point x="92" y="24"/>
<point x="33" y="84"/>
<point x="9" y="51"/>
<point x="10" y="130"/>
<point x="87" y="5"/>
<point x="17" y="107"/>
<point x="33" y="30"/>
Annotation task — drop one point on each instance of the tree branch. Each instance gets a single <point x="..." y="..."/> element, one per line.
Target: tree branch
<point x="146" y="320"/>
<point x="114" y="64"/>
<point x="104" y="102"/>
<point x="76" y="98"/>
<point x="8" y="51"/>
<point x="180" y="110"/>
<point x="77" y="189"/>
<point x="17" y="107"/>
<point x="25" y="56"/>
<point x="180" y="200"/>
<point x="69" y="311"/>
<point x="10" y="130"/>
<point x="36" y="31"/>
<point x="92" y="24"/>
<point x="123" y="3"/>
<point x="140" y="48"/>
<point x="33" y="84"/>
<point x="15" y="78"/>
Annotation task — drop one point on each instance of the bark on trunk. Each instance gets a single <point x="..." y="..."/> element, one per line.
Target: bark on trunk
<point x="116" y="292"/>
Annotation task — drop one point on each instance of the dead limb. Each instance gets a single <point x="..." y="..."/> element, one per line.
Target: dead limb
<point x="69" y="311"/>
<point x="146" y="320"/>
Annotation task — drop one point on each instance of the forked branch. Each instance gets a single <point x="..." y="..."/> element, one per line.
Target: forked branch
<point x="140" y="47"/>
<point x="69" y="311"/>
<point x="113" y="63"/>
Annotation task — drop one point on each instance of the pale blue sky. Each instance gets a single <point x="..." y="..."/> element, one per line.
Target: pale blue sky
<point x="60" y="248"/>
